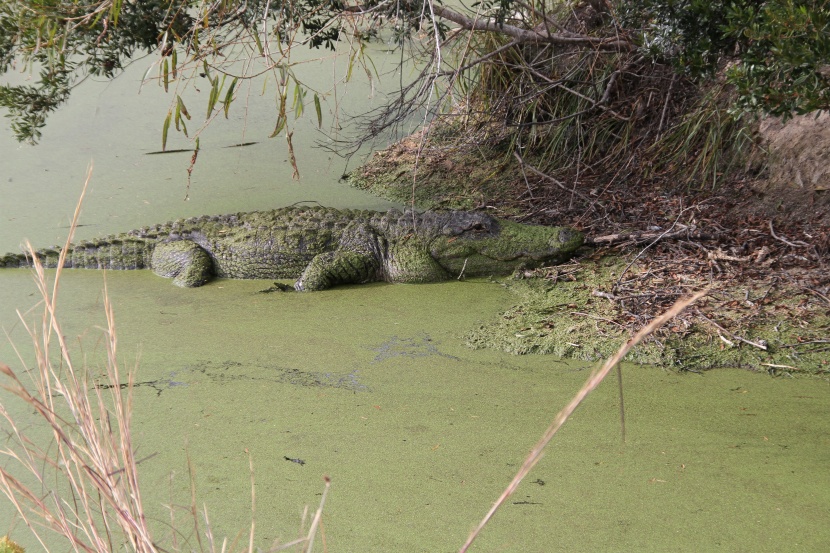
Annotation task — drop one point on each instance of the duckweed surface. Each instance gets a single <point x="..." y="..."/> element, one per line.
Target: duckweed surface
<point x="373" y="386"/>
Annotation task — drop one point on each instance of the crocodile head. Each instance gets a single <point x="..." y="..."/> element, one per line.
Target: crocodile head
<point x="480" y="245"/>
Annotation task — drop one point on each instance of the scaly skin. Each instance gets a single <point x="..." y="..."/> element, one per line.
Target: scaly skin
<point x="323" y="247"/>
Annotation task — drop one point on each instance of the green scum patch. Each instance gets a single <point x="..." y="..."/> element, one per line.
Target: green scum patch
<point x="773" y="326"/>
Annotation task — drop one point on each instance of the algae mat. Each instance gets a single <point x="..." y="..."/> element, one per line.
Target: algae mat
<point x="373" y="386"/>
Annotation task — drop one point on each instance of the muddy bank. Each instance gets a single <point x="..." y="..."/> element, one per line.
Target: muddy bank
<point x="760" y="244"/>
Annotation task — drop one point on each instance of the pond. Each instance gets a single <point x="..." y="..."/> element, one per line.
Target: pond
<point x="373" y="385"/>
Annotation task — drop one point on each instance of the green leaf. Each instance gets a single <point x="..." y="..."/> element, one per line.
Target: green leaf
<point x="229" y="96"/>
<point x="164" y="130"/>
<point x="175" y="63"/>
<point x="298" y="102"/>
<point x="178" y="116"/>
<point x="319" y="111"/>
<point x="115" y="11"/>
<point x="350" y="66"/>
<point x="258" y="43"/>
<point x="279" y="127"/>
<point x="182" y="106"/>
<point x="214" y="96"/>
<point x="166" y="74"/>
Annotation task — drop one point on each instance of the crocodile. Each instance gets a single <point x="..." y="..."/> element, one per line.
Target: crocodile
<point x="322" y="247"/>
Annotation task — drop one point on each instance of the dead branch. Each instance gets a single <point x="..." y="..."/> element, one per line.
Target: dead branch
<point x="538" y="34"/>
<point x="797" y="244"/>
<point x="524" y="164"/>
<point x="760" y="345"/>
<point x="640" y="237"/>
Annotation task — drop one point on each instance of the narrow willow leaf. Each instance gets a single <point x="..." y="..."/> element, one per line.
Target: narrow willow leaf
<point x="197" y="143"/>
<point x="299" y="101"/>
<point x="175" y="63"/>
<point x="178" y="116"/>
<point x="115" y="11"/>
<point x="319" y="111"/>
<point x="146" y="74"/>
<point x="229" y="96"/>
<point x="279" y="127"/>
<point x="374" y="67"/>
<point x="97" y="19"/>
<point x="258" y="43"/>
<point x="214" y="95"/>
<point x="166" y="74"/>
<point x="351" y="66"/>
<point x="182" y="106"/>
<point x="164" y="130"/>
<point x="278" y="41"/>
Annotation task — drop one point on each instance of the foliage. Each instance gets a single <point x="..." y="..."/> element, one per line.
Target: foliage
<point x="784" y="63"/>
<point x="578" y="86"/>
<point x="67" y="40"/>
<point x="777" y="52"/>
<point x="8" y="546"/>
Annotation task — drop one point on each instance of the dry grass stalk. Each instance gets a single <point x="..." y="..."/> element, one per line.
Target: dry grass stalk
<point x="94" y="501"/>
<point x="86" y="477"/>
<point x="563" y="415"/>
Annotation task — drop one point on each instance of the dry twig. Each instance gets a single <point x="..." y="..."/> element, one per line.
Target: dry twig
<point x="590" y="385"/>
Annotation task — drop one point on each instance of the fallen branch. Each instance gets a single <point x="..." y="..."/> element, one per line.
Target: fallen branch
<point x="640" y="237"/>
<point x="538" y="34"/>
<point x="797" y="244"/>
<point x="758" y="345"/>
<point x="558" y="183"/>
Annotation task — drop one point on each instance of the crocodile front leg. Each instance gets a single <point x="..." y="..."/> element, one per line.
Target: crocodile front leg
<point x="184" y="261"/>
<point x="338" y="267"/>
<point x="355" y="261"/>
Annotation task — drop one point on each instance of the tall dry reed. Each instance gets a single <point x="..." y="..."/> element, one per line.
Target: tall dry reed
<point x="79" y="486"/>
<point x="590" y="385"/>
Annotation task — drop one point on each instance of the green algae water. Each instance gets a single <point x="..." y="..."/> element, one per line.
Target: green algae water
<point x="373" y="386"/>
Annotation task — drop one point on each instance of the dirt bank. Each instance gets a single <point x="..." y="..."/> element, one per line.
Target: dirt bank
<point x="759" y="241"/>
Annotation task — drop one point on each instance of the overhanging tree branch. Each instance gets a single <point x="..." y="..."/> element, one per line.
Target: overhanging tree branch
<point x="537" y="34"/>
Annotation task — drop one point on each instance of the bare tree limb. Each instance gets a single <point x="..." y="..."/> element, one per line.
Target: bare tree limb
<point x="538" y="34"/>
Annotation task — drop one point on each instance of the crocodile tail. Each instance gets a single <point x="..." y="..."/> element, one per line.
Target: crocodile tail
<point x="14" y="260"/>
<point x="117" y="254"/>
